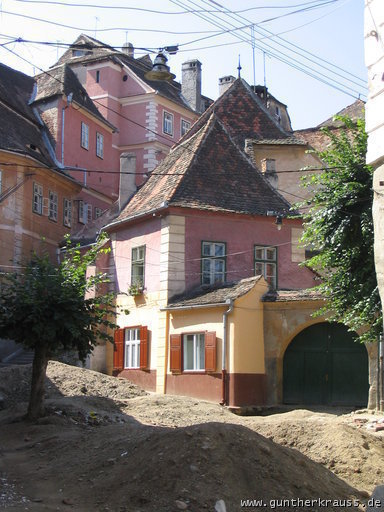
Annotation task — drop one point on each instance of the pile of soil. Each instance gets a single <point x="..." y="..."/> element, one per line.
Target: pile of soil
<point x="106" y="445"/>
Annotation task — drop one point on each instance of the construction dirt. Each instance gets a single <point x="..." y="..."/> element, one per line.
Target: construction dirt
<point x="106" y="445"/>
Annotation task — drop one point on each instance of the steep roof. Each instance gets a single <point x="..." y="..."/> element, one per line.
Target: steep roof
<point x="94" y="50"/>
<point x="243" y="114"/>
<point x="213" y="295"/>
<point x="20" y="130"/>
<point x="353" y="111"/>
<point x="208" y="171"/>
<point x="62" y="81"/>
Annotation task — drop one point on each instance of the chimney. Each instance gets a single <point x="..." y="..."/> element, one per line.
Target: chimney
<point x="225" y="82"/>
<point x="128" y="49"/>
<point x="127" y="185"/>
<point x="191" y="84"/>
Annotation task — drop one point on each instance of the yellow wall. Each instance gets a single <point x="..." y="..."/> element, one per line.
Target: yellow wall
<point x="246" y="332"/>
<point x="199" y="320"/>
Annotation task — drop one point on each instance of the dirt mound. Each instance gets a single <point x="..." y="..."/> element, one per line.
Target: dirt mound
<point x="64" y="380"/>
<point x="107" y="446"/>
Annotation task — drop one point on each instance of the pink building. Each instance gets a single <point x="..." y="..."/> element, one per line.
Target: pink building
<point x="150" y="116"/>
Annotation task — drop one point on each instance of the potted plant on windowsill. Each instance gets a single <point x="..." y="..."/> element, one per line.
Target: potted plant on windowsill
<point x="136" y="289"/>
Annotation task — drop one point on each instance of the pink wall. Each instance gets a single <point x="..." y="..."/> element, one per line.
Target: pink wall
<point x="150" y="234"/>
<point x="241" y="234"/>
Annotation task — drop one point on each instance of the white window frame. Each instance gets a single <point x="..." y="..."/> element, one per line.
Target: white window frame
<point x="213" y="256"/>
<point x="138" y="265"/>
<point x="132" y="347"/>
<point x="99" y="145"/>
<point x="53" y="205"/>
<point x="37" y="205"/>
<point x="89" y="211"/>
<point x="194" y="352"/>
<point x="84" y="135"/>
<point x="67" y="212"/>
<point x="265" y="263"/>
<point x="184" y="126"/>
<point x="167" y="123"/>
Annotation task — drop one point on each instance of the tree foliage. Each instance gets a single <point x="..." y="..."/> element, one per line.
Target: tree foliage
<point x="339" y="228"/>
<point x="46" y="308"/>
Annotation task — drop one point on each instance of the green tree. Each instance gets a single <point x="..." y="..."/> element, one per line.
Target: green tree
<point x="339" y="228"/>
<point x="45" y="308"/>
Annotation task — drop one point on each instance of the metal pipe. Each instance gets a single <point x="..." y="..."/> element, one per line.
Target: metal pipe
<point x="62" y="133"/>
<point x="224" y="399"/>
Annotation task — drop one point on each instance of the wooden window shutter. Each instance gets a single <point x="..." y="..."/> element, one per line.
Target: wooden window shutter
<point x="210" y="351"/>
<point x="118" y="350"/>
<point x="144" y="348"/>
<point x="175" y="353"/>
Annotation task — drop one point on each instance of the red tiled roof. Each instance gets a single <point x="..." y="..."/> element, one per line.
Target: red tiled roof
<point x="208" y="171"/>
<point x="244" y="116"/>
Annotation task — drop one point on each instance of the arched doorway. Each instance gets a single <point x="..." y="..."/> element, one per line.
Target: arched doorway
<point x="324" y="365"/>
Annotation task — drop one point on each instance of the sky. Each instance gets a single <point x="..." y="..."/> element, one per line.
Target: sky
<point x="309" y="53"/>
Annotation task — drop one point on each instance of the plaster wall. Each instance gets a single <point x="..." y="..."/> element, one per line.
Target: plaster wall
<point x="148" y="234"/>
<point x="246" y="353"/>
<point x="241" y="234"/>
<point x="288" y="159"/>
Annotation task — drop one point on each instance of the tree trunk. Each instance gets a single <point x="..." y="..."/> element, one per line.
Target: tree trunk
<point x="39" y="370"/>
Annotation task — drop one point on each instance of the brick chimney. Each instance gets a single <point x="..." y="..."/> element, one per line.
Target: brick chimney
<point x="191" y="84"/>
<point x="225" y="82"/>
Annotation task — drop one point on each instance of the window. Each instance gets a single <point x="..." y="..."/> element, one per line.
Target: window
<point x="84" y="135"/>
<point x="266" y="264"/>
<point x="191" y="352"/>
<point x="185" y="126"/>
<point x="89" y="212"/>
<point x="53" y="206"/>
<point x="168" y="123"/>
<point x="138" y="263"/>
<point x="99" y="145"/>
<point x="67" y="212"/>
<point x="131" y="348"/>
<point x="98" y="212"/>
<point x="37" y="206"/>
<point x="81" y="217"/>
<point x="213" y="262"/>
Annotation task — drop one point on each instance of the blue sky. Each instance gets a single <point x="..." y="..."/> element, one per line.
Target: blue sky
<point x="321" y="37"/>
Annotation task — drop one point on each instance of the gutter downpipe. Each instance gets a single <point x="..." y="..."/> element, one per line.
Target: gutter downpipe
<point x="224" y="393"/>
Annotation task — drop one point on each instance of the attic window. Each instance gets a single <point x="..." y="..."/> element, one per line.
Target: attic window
<point x="33" y="148"/>
<point x="78" y="52"/>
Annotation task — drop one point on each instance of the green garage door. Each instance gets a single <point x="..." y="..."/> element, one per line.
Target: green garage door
<point x="324" y="365"/>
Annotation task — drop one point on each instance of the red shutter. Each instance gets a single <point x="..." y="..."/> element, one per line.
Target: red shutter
<point x="175" y="353"/>
<point x="210" y="351"/>
<point x="144" y="348"/>
<point x="118" y="350"/>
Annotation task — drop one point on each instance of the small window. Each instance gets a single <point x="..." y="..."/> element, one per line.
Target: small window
<point x="213" y="262"/>
<point x="185" y="126"/>
<point x="138" y="264"/>
<point x="37" y="199"/>
<point x="132" y="348"/>
<point x="84" y="136"/>
<point x="97" y="77"/>
<point x="193" y="352"/>
<point x="168" y="123"/>
<point x="266" y="264"/>
<point x="89" y="212"/>
<point x="67" y="212"/>
<point x="53" y="206"/>
<point x="81" y="215"/>
<point x="99" y="145"/>
<point x="98" y="212"/>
